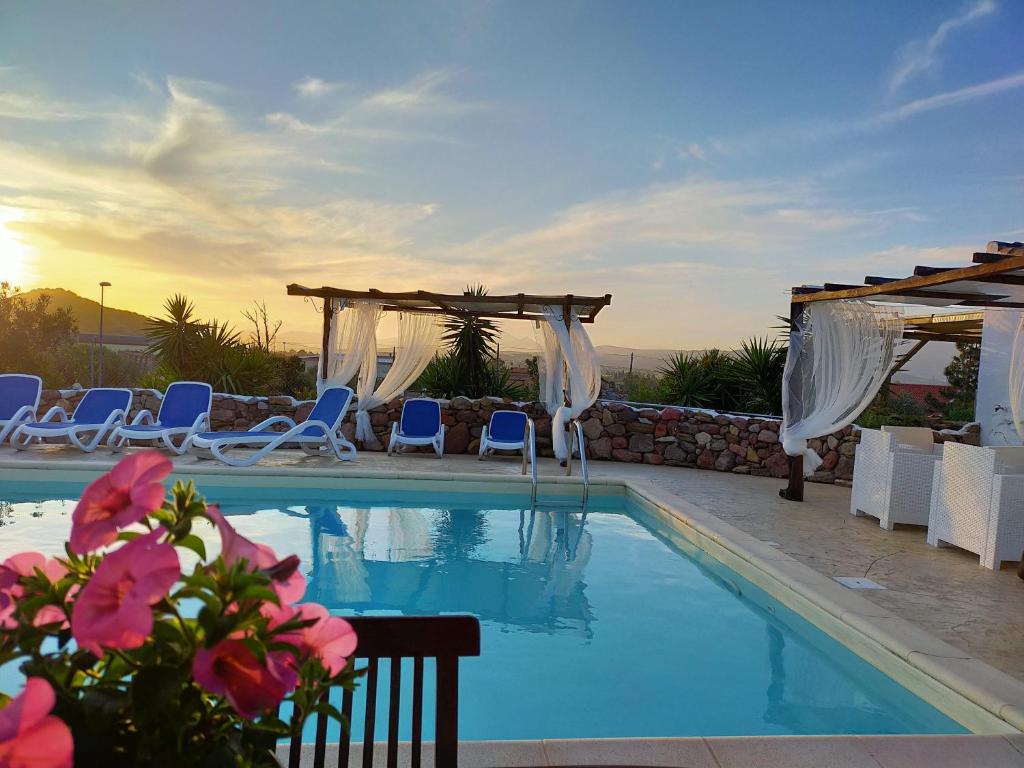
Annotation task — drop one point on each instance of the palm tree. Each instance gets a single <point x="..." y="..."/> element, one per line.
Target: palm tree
<point x="471" y="340"/>
<point x="173" y="339"/>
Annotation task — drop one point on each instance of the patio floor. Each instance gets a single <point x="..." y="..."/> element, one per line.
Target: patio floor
<point x="943" y="591"/>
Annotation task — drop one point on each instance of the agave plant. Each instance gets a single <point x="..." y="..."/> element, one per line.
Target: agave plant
<point x="698" y="379"/>
<point x="756" y="373"/>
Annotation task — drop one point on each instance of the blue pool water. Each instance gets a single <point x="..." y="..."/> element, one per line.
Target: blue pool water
<point x="603" y="625"/>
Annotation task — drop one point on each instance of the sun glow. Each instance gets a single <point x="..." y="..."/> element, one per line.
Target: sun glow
<point x="15" y="254"/>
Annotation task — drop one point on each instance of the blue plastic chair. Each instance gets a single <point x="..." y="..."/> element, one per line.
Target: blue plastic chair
<point x="184" y="411"/>
<point x="19" y="399"/>
<point x="505" y="432"/>
<point x="99" y="411"/>
<point x="317" y="435"/>
<point x="420" y="425"/>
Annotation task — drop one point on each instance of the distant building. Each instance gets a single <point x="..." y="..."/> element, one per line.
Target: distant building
<point x="919" y="393"/>
<point x="312" y="363"/>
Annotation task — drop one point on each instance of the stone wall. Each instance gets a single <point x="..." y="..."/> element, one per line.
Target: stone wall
<point x="678" y="437"/>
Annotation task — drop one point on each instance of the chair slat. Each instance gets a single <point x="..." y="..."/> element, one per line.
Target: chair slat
<point x="295" y="750"/>
<point x="371" y="712"/>
<point x="320" y="747"/>
<point x="394" y="702"/>
<point x="417" y="710"/>
<point x="345" y="740"/>
<point x="446" y="736"/>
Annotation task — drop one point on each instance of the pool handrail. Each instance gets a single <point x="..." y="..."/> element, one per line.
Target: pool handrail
<point x="576" y="439"/>
<point x="530" y="454"/>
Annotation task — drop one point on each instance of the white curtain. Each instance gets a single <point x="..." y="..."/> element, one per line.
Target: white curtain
<point x="581" y="377"/>
<point x="839" y="356"/>
<point x="352" y="338"/>
<point x="418" y="335"/>
<point x="1017" y="378"/>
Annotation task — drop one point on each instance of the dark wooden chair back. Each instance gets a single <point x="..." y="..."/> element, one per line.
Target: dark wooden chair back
<point x="443" y="638"/>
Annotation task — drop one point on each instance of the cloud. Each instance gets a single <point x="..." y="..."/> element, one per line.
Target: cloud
<point x="920" y="56"/>
<point x="424" y="93"/>
<point x="314" y="87"/>
<point x="948" y="99"/>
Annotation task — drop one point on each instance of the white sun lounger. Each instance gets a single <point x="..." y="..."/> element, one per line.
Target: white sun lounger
<point x="184" y="411"/>
<point x="319" y="434"/>
<point x="19" y="399"/>
<point x="99" y="411"/>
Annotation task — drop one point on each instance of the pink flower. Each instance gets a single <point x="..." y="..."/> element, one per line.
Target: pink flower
<point x="114" y="609"/>
<point x="30" y="737"/>
<point x="330" y="639"/>
<point x="230" y="669"/>
<point x="12" y="571"/>
<point x="123" y="496"/>
<point x="289" y="583"/>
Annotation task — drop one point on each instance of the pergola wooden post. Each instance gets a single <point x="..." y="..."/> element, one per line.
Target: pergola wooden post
<point x="995" y="279"/>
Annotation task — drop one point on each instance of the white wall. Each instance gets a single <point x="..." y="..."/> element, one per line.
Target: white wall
<point x="992" y="406"/>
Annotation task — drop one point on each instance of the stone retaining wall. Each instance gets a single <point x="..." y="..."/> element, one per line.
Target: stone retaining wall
<point x="679" y="437"/>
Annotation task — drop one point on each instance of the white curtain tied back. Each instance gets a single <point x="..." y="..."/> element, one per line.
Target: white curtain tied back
<point x="418" y="334"/>
<point x="839" y="356"/>
<point x="571" y="365"/>
<point x="1017" y="378"/>
<point x="352" y="347"/>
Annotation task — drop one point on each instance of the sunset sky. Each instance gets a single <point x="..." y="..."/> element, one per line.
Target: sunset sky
<point x="692" y="159"/>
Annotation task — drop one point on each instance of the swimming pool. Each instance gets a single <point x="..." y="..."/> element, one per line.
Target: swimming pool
<point x="593" y="625"/>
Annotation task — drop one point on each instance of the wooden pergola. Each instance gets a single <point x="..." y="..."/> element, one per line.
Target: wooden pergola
<point x="517" y="306"/>
<point x="994" y="279"/>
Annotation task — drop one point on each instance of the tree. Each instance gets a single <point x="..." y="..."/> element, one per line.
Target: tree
<point x="264" y="329"/>
<point x="31" y="335"/>
<point x="962" y="375"/>
<point x="173" y="338"/>
<point x="211" y="351"/>
<point x="471" y="342"/>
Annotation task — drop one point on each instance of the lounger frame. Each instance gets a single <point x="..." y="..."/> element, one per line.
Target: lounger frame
<point x="121" y="437"/>
<point x="26" y="413"/>
<point x="26" y="434"/>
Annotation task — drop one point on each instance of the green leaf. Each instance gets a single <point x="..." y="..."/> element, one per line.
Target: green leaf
<point x="194" y="543"/>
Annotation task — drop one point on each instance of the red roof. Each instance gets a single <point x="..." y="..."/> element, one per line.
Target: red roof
<point x="919" y="392"/>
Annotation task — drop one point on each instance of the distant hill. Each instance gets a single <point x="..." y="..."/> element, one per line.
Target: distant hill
<point x="116" y="322"/>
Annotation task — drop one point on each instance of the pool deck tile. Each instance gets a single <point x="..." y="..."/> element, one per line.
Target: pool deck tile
<point x="792" y="752"/>
<point x="668" y="753"/>
<point x="943" y="752"/>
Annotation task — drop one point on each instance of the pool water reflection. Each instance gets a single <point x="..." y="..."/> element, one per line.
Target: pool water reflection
<point x="595" y="624"/>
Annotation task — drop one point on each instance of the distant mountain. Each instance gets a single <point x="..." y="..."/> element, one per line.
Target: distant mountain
<point x="116" y="322"/>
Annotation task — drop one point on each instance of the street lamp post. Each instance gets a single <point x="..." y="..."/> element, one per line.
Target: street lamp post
<point x="103" y="285"/>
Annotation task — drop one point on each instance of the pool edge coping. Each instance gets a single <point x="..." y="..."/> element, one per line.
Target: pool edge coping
<point x="890" y="643"/>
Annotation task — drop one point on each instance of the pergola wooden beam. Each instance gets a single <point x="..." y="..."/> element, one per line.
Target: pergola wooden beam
<point x="1001" y="265"/>
<point x="908" y="285"/>
<point x="519" y="306"/>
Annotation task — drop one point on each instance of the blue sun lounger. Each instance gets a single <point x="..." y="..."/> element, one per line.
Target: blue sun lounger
<point x="318" y="435"/>
<point x="19" y="399"/>
<point x="184" y="411"/>
<point x="505" y="432"/>
<point x="420" y="425"/>
<point x="99" y="411"/>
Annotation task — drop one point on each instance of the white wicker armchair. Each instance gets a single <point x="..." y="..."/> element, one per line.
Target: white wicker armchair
<point x="892" y="475"/>
<point x="978" y="502"/>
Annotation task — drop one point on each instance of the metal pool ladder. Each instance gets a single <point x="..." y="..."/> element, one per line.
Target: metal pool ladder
<point x="576" y="440"/>
<point x="530" y="455"/>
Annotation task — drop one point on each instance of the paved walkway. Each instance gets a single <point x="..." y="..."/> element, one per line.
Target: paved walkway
<point x="943" y="591"/>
